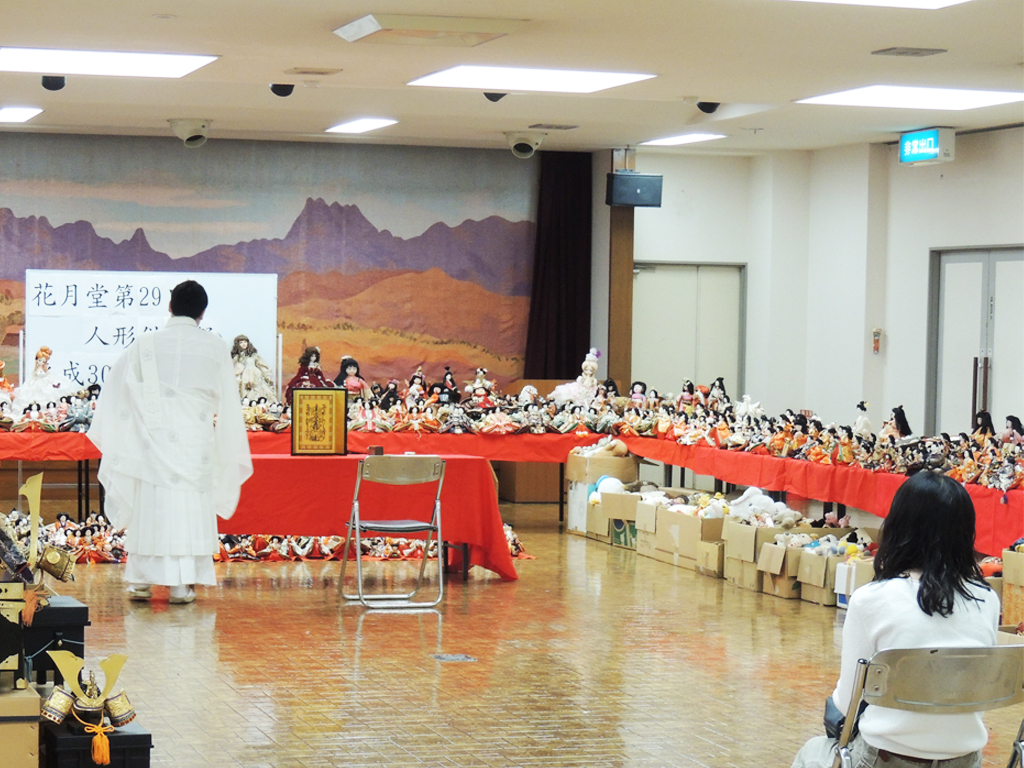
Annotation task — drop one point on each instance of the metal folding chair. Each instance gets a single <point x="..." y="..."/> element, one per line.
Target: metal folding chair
<point x="934" y="681"/>
<point x="396" y="470"/>
<point x="1017" y="756"/>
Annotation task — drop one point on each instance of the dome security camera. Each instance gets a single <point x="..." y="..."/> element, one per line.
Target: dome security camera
<point x="494" y="97"/>
<point x="53" y="82"/>
<point x="524" y="143"/>
<point x="708" y="107"/>
<point x="191" y="130"/>
<point x="282" y="89"/>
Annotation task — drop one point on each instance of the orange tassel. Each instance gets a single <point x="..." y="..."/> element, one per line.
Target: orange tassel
<point x="101" y="747"/>
<point x="28" y="613"/>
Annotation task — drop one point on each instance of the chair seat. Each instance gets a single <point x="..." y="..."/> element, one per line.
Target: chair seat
<point x="395" y="526"/>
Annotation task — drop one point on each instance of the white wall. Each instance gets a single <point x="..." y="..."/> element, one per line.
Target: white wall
<point x="836" y="242"/>
<point x="976" y="200"/>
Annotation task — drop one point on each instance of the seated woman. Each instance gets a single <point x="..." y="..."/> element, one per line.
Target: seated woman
<point x="927" y="592"/>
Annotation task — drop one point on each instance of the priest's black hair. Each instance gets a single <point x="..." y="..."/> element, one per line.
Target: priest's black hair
<point x="189" y="299"/>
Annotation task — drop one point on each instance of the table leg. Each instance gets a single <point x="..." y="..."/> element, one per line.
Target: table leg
<point x="87" y="489"/>
<point x="561" y="492"/>
<point x="668" y="475"/>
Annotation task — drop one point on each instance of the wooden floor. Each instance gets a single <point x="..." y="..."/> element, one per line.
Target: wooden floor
<point x="595" y="657"/>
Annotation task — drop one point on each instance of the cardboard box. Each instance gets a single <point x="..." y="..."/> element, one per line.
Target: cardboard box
<point x="1007" y="635"/>
<point x="711" y="558"/>
<point x="19" y="728"/>
<point x="674" y="558"/>
<point x="744" y="542"/>
<point x="680" y="533"/>
<point x="620" y="506"/>
<point x="1013" y="587"/>
<point x="623" y="533"/>
<point x="732" y="570"/>
<point x="645" y="543"/>
<point x="852" y="576"/>
<point x="576" y="506"/>
<point x="817" y="578"/>
<point x="779" y="560"/>
<point x="527" y="481"/>
<point x="598" y="526"/>
<point x="786" y="587"/>
<point x="742" y="574"/>
<point x="646" y="517"/>
<point x="586" y="469"/>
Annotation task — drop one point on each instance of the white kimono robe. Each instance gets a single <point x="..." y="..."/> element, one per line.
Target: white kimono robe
<point x="175" y="451"/>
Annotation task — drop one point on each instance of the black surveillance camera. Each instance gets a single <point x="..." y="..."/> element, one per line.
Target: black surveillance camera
<point x="282" y="89"/>
<point x="495" y="97"/>
<point x="708" y="107"/>
<point x="53" y="82"/>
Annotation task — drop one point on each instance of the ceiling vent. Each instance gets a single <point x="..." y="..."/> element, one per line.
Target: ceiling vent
<point x="552" y="127"/>
<point x="913" y="53"/>
<point x="403" y="29"/>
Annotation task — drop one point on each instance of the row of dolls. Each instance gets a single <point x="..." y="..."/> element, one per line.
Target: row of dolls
<point x="262" y="548"/>
<point x="93" y="540"/>
<point x="69" y="413"/>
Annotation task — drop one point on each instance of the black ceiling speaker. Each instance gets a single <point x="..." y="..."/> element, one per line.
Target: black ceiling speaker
<point x="633" y="190"/>
<point x="282" y="89"/>
<point x="495" y="97"/>
<point x="708" y="107"/>
<point x="53" y="82"/>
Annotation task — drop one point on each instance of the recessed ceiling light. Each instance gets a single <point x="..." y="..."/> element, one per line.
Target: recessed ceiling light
<point x="686" y="138"/>
<point x="18" y="114"/>
<point x="910" y="97"/>
<point x="517" y="79"/>
<point x="362" y="125"/>
<point x="922" y="5"/>
<point x="107" y="63"/>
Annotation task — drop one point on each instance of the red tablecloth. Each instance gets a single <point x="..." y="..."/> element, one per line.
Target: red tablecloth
<point x="550" y="448"/>
<point x="998" y="524"/>
<point x="312" y="496"/>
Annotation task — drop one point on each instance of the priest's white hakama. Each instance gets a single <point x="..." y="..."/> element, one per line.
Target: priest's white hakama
<point x="175" y="451"/>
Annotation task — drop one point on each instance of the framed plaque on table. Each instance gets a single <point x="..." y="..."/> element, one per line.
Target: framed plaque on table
<point x="319" y="422"/>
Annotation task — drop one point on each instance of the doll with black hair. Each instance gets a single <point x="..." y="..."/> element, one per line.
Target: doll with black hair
<point x="862" y="425"/>
<point x="983" y="426"/>
<point x="450" y="394"/>
<point x="349" y="378"/>
<point x="389" y="398"/>
<point x="638" y="393"/>
<point x="897" y="426"/>
<point x="1014" y="432"/>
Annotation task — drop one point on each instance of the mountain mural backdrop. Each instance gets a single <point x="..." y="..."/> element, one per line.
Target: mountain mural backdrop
<point x="450" y="293"/>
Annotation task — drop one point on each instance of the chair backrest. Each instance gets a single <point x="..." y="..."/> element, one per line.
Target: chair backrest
<point x="946" y="680"/>
<point x="402" y="470"/>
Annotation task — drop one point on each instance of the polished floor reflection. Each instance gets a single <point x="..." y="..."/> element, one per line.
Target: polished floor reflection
<point x="595" y="657"/>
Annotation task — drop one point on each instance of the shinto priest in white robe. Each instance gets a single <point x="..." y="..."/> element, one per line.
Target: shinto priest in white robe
<point x="175" y="451"/>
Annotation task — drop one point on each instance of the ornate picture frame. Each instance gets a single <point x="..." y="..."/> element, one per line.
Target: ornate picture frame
<point x="319" y="422"/>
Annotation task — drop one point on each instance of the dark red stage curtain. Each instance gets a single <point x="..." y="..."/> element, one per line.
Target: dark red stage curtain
<point x="558" y="335"/>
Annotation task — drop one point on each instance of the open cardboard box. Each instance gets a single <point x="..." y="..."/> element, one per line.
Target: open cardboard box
<point x="1013" y="586"/>
<point x="742" y="574"/>
<point x="620" y="506"/>
<point x="780" y="566"/>
<point x="598" y="525"/>
<point x="681" y="533"/>
<point x="817" y="578"/>
<point x="590" y="469"/>
<point x="711" y="558"/>
<point x="646" y="517"/>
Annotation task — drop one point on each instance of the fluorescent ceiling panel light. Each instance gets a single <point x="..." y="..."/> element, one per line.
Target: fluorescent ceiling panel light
<point x="362" y="125"/>
<point x="403" y="29"/>
<point x="18" y="114"/>
<point x="921" y="5"/>
<point x="106" y="63"/>
<point x="686" y="138"/>
<point x="910" y="97"/>
<point x="517" y="79"/>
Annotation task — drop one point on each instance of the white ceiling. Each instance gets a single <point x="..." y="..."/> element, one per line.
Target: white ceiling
<point x="749" y="55"/>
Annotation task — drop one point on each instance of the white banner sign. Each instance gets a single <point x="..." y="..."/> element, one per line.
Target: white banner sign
<point x="88" y="318"/>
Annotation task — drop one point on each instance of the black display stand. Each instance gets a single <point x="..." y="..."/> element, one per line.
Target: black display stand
<point x="62" y="747"/>
<point x="60" y="626"/>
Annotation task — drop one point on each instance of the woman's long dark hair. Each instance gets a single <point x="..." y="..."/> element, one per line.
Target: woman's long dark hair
<point x="930" y="528"/>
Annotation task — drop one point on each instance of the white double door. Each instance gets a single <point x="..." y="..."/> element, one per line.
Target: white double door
<point x="981" y="338"/>
<point x="687" y="324"/>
